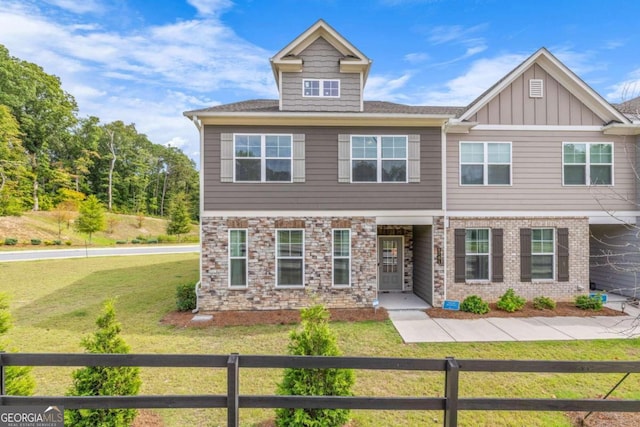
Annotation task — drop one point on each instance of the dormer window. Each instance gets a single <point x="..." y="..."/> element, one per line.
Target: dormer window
<point x="321" y="88"/>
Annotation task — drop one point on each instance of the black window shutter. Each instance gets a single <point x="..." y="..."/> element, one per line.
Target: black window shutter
<point x="496" y="255"/>
<point x="525" y="254"/>
<point x="459" y="248"/>
<point x="563" y="254"/>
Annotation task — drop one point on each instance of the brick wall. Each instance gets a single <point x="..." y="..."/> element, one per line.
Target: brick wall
<point x="560" y="291"/>
<point x="261" y="292"/>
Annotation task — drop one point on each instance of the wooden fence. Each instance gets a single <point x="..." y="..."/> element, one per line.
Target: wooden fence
<point x="450" y="403"/>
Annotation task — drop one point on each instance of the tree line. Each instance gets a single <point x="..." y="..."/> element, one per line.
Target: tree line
<point x="50" y="155"/>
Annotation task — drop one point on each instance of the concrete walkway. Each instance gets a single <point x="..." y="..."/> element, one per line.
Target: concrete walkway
<point x="415" y="326"/>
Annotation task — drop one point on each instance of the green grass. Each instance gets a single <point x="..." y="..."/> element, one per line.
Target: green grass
<point x="55" y="303"/>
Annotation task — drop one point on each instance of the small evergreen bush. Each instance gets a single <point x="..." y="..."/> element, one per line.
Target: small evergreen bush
<point x="136" y="241"/>
<point x="57" y="242"/>
<point x="152" y="240"/>
<point x="588" y="302"/>
<point x="10" y="241"/>
<point x="544" y="303"/>
<point x="510" y="302"/>
<point x="68" y="242"/>
<point x="474" y="304"/>
<point x="121" y="242"/>
<point x="36" y="241"/>
<point x="186" y="297"/>
<point x="315" y="338"/>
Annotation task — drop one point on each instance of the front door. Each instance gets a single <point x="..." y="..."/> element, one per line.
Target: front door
<point x="390" y="263"/>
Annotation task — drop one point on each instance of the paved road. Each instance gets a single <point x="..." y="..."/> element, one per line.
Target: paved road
<point x="95" y="252"/>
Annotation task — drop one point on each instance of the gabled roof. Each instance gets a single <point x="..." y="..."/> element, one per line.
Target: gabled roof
<point x="287" y="59"/>
<point x="563" y="75"/>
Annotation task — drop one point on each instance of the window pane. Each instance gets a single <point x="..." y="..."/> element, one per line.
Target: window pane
<point x="341" y="271"/>
<point x="290" y="272"/>
<point x="600" y="175"/>
<point x="477" y="241"/>
<point x="477" y="267"/>
<point x="499" y="174"/>
<point x="247" y="146"/>
<point x="312" y="88"/>
<point x="237" y="244"/>
<point x="278" y="170"/>
<point x="330" y="88"/>
<point x="499" y="153"/>
<point x="600" y="153"/>
<point x="341" y="243"/>
<point x="364" y="147"/>
<point x="472" y="152"/>
<point x="394" y="147"/>
<point x="278" y="146"/>
<point x="472" y="174"/>
<point x="364" y="171"/>
<point x="574" y="175"/>
<point x="394" y="170"/>
<point x="542" y="266"/>
<point x="238" y="272"/>
<point x="247" y="169"/>
<point x="575" y="153"/>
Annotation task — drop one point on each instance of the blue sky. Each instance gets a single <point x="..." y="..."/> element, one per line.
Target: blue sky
<point x="147" y="61"/>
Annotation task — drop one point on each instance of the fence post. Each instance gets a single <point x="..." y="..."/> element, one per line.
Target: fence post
<point x="233" y="386"/>
<point x="451" y="392"/>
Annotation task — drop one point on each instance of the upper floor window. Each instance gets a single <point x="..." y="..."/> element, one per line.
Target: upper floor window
<point x="321" y="88"/>
<point x="485" y="163"/>
<point x="378" y="159"/>
<point x="262" y="158"/>
<point x="587" y="163"/>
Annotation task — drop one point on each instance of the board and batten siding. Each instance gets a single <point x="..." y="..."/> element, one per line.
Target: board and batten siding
<point x="537" y="174"/>
<point x="513" y="106"/>
<point x="423" y="262"/>
<point x="614" y="263"/>
<point x="321" y="61"/>
<point x="321" y="189"/>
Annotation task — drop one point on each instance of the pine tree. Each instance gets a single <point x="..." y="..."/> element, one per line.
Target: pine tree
<point x="104" y="380"/>
<point x="314" y="339"/>
<point x="179" y="220"/>
<point x="18" y="380"/>
<point x="91" y="218"/>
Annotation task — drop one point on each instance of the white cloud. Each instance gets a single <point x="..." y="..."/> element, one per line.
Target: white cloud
<point x="416" y="57"/>
<point x="385" y="88"/>
<point x="456" y="34"/>
<point x="210" y="7"/>
<point x="482" y="74"/>
<point x="79" y="7"/>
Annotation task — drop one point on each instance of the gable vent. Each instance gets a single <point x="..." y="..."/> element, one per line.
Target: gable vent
<point x="535" y="88"/>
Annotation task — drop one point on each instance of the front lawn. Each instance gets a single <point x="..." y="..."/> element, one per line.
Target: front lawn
<point x="56" y="302"/>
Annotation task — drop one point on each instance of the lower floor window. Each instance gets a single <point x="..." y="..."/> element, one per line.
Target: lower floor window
<point x="477" y="254"/>
<point x="542" y="253"/>
<point x="237" y="258"/>
<point x="290" y="258"/>
<point x="341" y="257"/>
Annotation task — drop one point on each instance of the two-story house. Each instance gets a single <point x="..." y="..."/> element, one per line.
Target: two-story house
<point x="323" y="196"/>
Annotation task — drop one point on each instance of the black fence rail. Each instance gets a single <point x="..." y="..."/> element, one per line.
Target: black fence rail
<point x="450" y="403"/>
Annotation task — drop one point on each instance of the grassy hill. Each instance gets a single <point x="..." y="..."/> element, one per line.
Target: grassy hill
<point x="46" y="227"/>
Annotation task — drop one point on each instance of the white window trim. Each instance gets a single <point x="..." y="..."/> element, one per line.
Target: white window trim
<point x="489" y="272"/>
<point x="485" y="164"/>
<point x="334" y="257"/>
<point x="379" y="159"/>
<point x="321" y="88"/>
<point x="278" y="258"/>
<point x="587" y="164"/>
<point x="245" y="257"/>
<point x="553" y="261"/>
<point x="263" y="158"/>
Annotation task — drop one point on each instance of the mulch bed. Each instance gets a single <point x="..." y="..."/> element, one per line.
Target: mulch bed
<point x="562" y="309"/>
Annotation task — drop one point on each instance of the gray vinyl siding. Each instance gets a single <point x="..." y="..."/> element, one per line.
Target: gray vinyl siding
<point x="422" y="262"/>
<point x="321" y="61"/>
<point x="558" y="106"/>
<point x="537" y="174"/>
<point x="614" y="259"/>
<point x="321" y="189"/>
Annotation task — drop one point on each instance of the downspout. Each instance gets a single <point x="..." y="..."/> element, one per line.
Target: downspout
<point x="445" y="218"/>
<point x="200" y="127"/>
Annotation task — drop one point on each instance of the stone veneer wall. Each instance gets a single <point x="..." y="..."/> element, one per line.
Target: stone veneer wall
<point x="261" y="292"/>
<point x="560" y="291"/>
<point x="405" y="231"/>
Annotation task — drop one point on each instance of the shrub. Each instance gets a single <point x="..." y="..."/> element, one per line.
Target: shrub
<point x="510" y="302"/>
<point x="36" y="241"/>
<point x="10" y="241"/>
<point x="314" y="339"/>
<point x="18" y="379"/>
<point x="474" y="304"/>
<point x="104" y="380"/>
<point x="542" y="303"/>
<point x="163" y="238"/>
<point x="136" y="241"/>
<point x="57" y="242"/>
<point x="186" y="299"/>
<point x="588" y="302"/>
<point x="152" y="240"/>
<point x="48" y="242"/>
<point x="68" y="242"/>
<point x="121" y="242"/>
